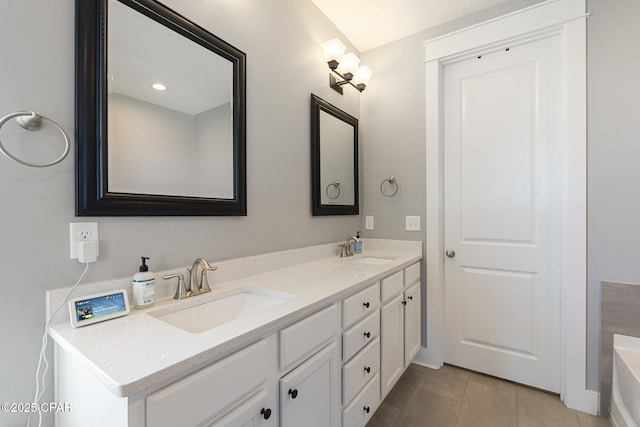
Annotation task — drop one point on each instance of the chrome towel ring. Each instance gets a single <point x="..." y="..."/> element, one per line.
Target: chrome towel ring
<point x="31" y="120"/>
<point x="392" y="181"/>
<point x="336" y="186"/>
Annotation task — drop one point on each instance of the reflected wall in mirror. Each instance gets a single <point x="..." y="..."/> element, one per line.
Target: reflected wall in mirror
<point x="160" y="114"/>
<point x="334" y="160"/>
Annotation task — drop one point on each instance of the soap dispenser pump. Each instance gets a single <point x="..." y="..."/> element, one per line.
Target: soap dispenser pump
<point x="357" y="244"/>
<point x="143" y="286"/>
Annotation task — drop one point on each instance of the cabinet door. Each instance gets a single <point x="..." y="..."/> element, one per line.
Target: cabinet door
<point x="392" y="341"/>
<point x="310" y="394"/>
<point x="411" y="323"/>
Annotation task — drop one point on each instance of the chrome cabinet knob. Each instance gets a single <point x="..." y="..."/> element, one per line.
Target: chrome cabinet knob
<point x="450" y="253"/>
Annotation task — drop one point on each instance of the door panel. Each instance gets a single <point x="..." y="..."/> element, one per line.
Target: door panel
<point x="310" y="394"/>
<point x="511" y="325"/>
<point x="502" y="207"/>
<point x="392" y="343"/>
<point x="488" y="175"/>
<point x="411" y="323"/>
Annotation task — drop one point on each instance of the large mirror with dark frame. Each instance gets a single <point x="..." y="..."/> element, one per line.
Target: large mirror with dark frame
<point x="334" y="160"/>
<point x="160" y="114"/>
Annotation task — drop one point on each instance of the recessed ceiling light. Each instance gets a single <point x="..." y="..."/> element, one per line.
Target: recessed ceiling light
<point x="159" y="86"/>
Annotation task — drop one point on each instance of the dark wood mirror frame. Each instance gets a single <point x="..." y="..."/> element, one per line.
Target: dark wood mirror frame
<point x="318" y="105"/>
<point x="92" y="195"/>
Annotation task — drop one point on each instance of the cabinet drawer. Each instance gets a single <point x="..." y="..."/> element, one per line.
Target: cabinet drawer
<point x="411" y="274"/>
<point x="360" y="335"/>
<point x="357" y="306"/>
<point x="302" y="338"/>
<point x="391" y="285"/>
<point x="182" y="403"/>
<point x="364" y="366"/>
<point x="363" y="406"/>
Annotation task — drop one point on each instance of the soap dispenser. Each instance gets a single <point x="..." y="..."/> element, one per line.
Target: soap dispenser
<point x="357" y="244"/>
<point x="143" y="286"/>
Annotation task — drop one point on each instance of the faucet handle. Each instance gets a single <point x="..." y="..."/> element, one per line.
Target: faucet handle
<point x="180" y="289"/>
<point x="204" y="282"/>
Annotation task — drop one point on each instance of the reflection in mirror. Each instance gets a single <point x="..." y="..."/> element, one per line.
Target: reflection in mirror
<point x="177" y="139"/>
<point x="160" y="114"/>
<point x="336" y="161"/>
<point x="334" y="148"/>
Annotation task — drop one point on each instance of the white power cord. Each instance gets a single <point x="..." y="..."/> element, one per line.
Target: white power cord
<point x="43" y="356"/>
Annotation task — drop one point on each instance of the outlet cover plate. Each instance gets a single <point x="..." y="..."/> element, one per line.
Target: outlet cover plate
<point x="81" y="232"/>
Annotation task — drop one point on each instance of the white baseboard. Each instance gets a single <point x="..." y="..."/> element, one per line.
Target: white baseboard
<point x="426" y="359"/>
<point x="585" y="401"/>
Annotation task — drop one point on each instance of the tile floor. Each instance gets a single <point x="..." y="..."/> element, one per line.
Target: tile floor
<point x="452" y="396"/>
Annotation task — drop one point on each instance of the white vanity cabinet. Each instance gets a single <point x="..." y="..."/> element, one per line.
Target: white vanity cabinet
<point x="392" y="350"/>
<point x="411" y="323"/>
<point x="237" y="390"/>
<point x="310" y="392"/>
<point x="329" y="366"/>
<point x="309" y="395"/>
<point x="361" y="356"/>
<point x="399" y="324"/>
<point x="230" y="392"/>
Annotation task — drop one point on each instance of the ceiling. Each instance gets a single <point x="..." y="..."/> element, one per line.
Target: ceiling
<point x="371" y="23"/>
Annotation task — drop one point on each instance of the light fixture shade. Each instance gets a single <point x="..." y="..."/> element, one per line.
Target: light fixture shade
<point x="362" y="76"/>
<point x="333" y="50"/>
<point x="348" y="65"/>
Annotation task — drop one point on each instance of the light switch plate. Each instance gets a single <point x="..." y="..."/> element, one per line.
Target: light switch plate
<point x="412" y="223"/>
<point x="368" y="224"/>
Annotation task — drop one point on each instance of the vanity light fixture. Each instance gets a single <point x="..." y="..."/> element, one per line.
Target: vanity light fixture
<point x="345" y="67"/>
<point x="159" y="86"/>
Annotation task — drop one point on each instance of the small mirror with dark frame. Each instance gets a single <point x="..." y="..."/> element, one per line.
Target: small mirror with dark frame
<point x="334" y="160"/>
<point x="177" y="150"/>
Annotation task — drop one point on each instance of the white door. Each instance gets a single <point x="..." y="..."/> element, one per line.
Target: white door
<point x="502" y="210"/>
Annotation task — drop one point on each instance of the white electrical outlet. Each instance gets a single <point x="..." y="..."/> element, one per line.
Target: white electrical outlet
<point x="368" y="223"/>
<point x="82" y="232"/>
<point x="412" y="223"/>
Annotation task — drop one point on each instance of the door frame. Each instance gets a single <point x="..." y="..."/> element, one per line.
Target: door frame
<point x="566" y="19"/>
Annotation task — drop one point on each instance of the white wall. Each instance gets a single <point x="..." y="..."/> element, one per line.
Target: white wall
<point x="213" y="152"/>
<point x="157" y="150"/>
<point x="36" y="205"/>
<point x="613" y="94"/>
<point x="138" y="130"/>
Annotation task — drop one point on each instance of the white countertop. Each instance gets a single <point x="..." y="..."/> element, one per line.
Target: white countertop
<point x="133" y="353"/>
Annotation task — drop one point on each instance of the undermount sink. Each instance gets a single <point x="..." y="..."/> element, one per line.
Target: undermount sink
<point x="213" y="313"/>
<point x="375" y="260"/>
